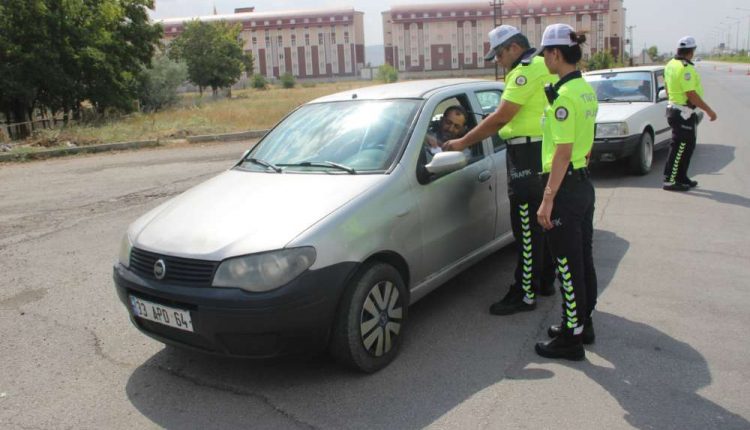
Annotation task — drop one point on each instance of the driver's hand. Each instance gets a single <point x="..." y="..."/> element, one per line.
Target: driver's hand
<point x="432" y="141"/>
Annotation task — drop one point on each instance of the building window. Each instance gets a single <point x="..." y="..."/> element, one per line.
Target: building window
<point x="278" y="22"/>
<point x="425" y="15"/>
<point x="441" y="62"/>
<point x="466" y="13"/>
<point x="280" y="40"/>
<point x="346" y="37"/>
<point x="440" y="14"/>
<point x="453" y="13"/>
<point x="292" y="21"/>
<point x="307" y="20"/>
<point x="440" y="49"/>
<point x="265" y="22"/>
<point x="255" y="41"/>
<point x="333" y="19"/>
<point x="320" y="38"/>
<point x="307" y="39"/>
<point x="252" y="23"/>
<point x="333" y="38"/>
<point x="414" y="15"/>
<point x="294" y="40"/>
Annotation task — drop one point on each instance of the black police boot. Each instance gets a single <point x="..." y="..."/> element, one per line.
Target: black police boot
<point x="588" y="337"/>
<point x="689" y="182"/>
<point x="566" y="345"/>
<point x="512" y="303"/>
<point x="675" y="186"/>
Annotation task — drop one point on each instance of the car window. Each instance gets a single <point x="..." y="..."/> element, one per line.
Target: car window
<point x="362" y="135"/>
<point x="622" y="86"/>
<point x="660" y="80"/>
<point x="452" y="119"/>
<point x="489" y="101"/>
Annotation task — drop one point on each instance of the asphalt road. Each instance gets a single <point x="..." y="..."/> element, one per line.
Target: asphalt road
<point x="672" y="348"/>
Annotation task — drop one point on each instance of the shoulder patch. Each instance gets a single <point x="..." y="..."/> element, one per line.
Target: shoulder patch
<point x="687" y="76"/>
<point x="521" y="80"/>
<point x="561" y="113"/>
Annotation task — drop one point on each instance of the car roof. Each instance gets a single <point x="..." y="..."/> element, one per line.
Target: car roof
<point x="627" y="69"/>
<point x="404" y="90"/>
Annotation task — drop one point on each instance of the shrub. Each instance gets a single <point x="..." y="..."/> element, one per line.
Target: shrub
<point x="387" y="74"/>
<point x="259" y="82"/>
<point x="287" y="80"/>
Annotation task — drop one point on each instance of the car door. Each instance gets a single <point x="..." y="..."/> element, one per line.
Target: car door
<point x="458" y="209"/>
<point x="488" y="101"/>
<point x="657" y="113"/>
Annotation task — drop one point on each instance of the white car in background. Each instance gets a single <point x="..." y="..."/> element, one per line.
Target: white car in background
<point x="631" y="123"/>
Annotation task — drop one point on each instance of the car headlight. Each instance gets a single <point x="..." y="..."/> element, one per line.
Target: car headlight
<point x="264" y="272"/>
<point x="612" y="129"/>
<point x="125" y="246"/>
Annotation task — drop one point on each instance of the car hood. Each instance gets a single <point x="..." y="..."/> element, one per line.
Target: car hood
<point x="614" y="112"/>
<point x="241" y="212"/>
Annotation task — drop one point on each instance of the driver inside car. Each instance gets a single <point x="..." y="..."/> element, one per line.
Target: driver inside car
<point x="451" y="125"/>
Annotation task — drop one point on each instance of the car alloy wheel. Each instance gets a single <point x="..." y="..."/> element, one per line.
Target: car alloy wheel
<point x="381" y="318"/>
<point x="371" y="318"/>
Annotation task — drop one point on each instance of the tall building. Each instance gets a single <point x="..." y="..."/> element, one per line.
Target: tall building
<point x="446" y="37"/>
<point x="322" y="43"/>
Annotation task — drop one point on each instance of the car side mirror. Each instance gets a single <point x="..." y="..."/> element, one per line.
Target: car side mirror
<point x="662" y="95"/>
<point x="446" y="162"/>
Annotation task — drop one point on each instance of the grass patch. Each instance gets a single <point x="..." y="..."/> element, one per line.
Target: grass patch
<point x="730" y="58"/>
<point x="248" y="109"/>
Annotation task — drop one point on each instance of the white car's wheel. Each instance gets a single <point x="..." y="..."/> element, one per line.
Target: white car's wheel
<point x="370" y="320"/>
<point x="640" y="161"/>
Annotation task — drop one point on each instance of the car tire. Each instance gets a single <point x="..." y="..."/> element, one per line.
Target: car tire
<point x="369" y="325"/>
<point x="641" y="160"/>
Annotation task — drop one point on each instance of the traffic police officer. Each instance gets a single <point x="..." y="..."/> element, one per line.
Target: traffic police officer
<point x="518" y="121"/>
<point x="685" y="94"/>
<point x="567" y="209"/>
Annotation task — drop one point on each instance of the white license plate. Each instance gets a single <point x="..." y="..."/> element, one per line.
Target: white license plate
<point x="161" y="314"/>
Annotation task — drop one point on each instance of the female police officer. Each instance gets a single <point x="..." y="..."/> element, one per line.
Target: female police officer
<point x="567" y="209"/>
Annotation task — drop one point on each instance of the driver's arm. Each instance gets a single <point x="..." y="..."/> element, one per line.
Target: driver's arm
<point x="488" y="127"/>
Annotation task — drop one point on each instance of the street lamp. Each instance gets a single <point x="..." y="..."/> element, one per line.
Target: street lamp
<point x="747" y="47"/>
<point x="737" y="20"/>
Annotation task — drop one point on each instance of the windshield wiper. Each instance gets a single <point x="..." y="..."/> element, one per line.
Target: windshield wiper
<point x="264" y="163"/>
<point x="322" y="164"/>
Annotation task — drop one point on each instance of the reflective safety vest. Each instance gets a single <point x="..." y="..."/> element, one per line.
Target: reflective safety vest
<point x="680" y="77"/>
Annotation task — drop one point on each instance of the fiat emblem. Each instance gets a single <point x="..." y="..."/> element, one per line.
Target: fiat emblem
<point x="160" y="269"/>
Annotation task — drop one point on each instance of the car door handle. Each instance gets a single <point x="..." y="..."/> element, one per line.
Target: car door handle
<point x="484" y="176"/>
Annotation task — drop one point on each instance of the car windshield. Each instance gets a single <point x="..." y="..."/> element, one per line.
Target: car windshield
<point x="347" y="137"/>
<point x="622" y="86"/>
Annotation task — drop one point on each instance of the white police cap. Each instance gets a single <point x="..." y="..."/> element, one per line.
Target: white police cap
<point x="498" y="36"/>
<point x="556" y="35"/>
<point x="687" y="42"/>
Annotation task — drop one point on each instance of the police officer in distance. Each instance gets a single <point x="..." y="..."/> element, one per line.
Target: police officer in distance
<point x="685" y="94"/>
<point x="518" y="121"/>
<point x="567" y="208"/>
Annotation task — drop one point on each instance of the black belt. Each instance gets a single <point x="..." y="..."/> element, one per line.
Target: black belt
<point x="581" y="173"/>
<point x="522" y="140"/>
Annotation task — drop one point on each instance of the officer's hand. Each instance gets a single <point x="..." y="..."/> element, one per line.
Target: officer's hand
<point x="431" y="141"/>
<point x="544" y="214"/>
<point x="711" y="115"/>
<point x="452" y="145"/>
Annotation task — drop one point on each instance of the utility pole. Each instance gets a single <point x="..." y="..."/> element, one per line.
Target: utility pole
<point x="497" y="11"/>
<point x="630" y="35"/>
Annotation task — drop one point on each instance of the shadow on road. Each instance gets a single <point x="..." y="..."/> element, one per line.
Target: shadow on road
<point x="708" y="159"/>
<point x="453" y="350"/>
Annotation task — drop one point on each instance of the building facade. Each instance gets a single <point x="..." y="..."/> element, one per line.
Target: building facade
<point x="323" y="43"/>
<point x="448" y="37"/>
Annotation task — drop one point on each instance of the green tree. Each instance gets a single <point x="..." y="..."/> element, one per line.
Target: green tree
<point x="387" y="74"/>
<point x="212" y="52"/>
<point x="159" y="83"/>
<point x="248" y="60"/>
<point x="55" y="54"/>
<point x="653" y="53"/>
<point x="601" y="60"/>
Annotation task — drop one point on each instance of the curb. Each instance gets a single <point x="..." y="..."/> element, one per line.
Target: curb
<point x="227" y="137"/>
<point x="40" y="155"/>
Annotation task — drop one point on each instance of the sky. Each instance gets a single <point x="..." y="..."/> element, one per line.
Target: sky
<point x="657" y="22"/>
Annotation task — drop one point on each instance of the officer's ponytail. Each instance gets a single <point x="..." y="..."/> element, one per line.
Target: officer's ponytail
<point x="573" y="54"/>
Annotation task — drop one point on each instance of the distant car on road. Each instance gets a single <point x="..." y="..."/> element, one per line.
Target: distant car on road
<point x="631" y="123"/>
<point x="324" y="233"/>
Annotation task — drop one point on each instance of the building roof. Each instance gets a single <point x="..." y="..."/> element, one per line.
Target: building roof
<point x="249" y="16"/>
<point x="399" y="90"/>
<point x="512" y="5"/>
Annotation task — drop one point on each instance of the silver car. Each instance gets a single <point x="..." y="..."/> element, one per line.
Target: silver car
<point x="325" y="232"/>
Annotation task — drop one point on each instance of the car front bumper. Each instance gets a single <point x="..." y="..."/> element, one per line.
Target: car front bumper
<point x="227" y="321"/>
<point x="610" y="149"/>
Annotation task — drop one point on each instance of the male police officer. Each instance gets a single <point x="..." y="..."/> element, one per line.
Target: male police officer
<point x="685" y="94"/>
<point x="518" y="119"/>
